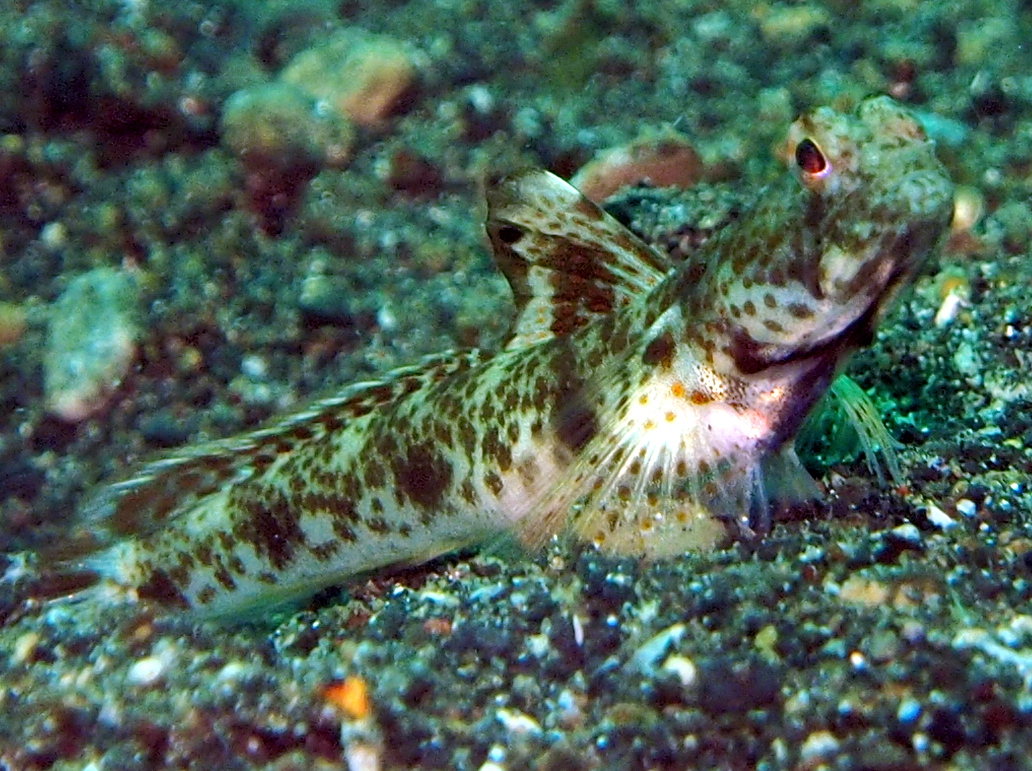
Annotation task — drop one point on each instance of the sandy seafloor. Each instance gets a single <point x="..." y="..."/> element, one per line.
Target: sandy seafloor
<point x="889" y="630"/>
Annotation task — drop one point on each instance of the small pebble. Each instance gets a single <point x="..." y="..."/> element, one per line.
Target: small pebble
<point x="966" y="507"/>
<point x="909" y="711"/>
<point x="496" y="754"/>
<point x="907" y="533"/>
<point x="858" y="662"/>
<point x="362" y="755"/>
<point x="517" y="724"/>
<point x="538" y="645"/>
<point x="54" y="235"/>
<point x="233" y="670"/>
<point x="146" y="671"/>
<point x="278" y="126"/>
<point x="24" y="647"/>
<point x="13" y="320"/>
<point x="254" y="367"/>
<point x="570" y="712"/>
<point x="652" y="650"/>
<point x="362" y="77"/>
<point x="663" y="159"/>
<point x="819" y="746"/>
<point x="940" y="518"/>
<point x="683" y="667"/>
<point x="90" y="343"/>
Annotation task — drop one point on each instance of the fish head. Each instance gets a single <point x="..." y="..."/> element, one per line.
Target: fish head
<point x="865" y="205"/>
<point x="876" y="200"/>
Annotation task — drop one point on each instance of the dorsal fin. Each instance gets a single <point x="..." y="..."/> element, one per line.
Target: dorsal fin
<point x="567" y="261"/>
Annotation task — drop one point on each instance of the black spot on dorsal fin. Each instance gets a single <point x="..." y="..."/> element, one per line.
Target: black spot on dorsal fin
<point x="567" y="261"/>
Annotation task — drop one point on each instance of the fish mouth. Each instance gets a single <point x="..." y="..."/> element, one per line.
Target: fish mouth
<point x="753" y="357"/>
<point x="862" y="308"/>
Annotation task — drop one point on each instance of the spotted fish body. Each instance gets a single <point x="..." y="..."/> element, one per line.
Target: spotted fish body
<point x="644" y="406"/>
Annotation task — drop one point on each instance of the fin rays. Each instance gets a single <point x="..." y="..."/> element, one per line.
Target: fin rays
<point x="646" y="487"/>
<point x="566" y="260"/>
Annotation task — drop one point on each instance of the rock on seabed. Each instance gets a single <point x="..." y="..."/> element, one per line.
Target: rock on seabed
<point x="362" y="76"/>
<point x="278" y="126"/>
<point x="90" y="343"/>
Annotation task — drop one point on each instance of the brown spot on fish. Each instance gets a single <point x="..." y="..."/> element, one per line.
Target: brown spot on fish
<point x="270" y="524"/>
<point x="494" y="483"/>
<point x="206" y="595"/>
<point x="660" y="351"/>
<point x="378" y="525"/>
<point x="423" y="475"/>
<point x="205" y="553"/>
<point x="223" y="576"/>
<point x="326" y="550"/>
<point x="503" y="457"/>
<point x="576" y="423"/>
<point x="375" y="474"/>
<point x="344" y="531"/>
<point x="160" y="588"/>
<point x="528" y="470"/>
<point x="467" y="436"/>
<point x="800" y="311"/>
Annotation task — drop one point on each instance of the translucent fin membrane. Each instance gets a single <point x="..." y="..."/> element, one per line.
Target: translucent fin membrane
<point x="845" y="424"/>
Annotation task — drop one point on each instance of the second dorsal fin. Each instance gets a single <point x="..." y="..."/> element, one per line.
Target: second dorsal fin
<point x="567" y="261"/>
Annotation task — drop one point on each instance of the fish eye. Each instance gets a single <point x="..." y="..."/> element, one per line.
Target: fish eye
<point x="809" y="158"/>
